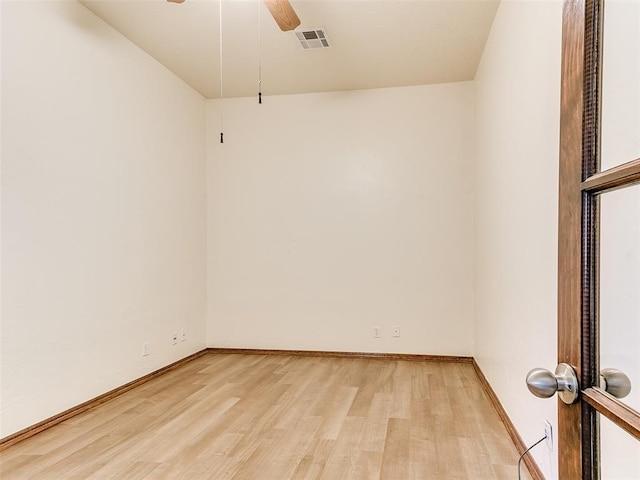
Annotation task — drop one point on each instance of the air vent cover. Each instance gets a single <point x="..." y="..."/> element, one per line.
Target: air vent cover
<point x="310" y="39"/>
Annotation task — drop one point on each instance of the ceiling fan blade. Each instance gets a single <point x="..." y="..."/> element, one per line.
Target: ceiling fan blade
<point x="281" y="10"/>
<point x="283" y="13"/>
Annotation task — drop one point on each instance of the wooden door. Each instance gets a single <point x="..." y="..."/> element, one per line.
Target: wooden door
<point x="584" y="186"/>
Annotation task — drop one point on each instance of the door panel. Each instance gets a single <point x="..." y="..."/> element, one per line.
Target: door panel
<point x="597" y="302"/>
<point x="620" y="286"/>
<point x="620" y="453"/>
<point x="598" y="262"/>
<point x="620" y="141"/>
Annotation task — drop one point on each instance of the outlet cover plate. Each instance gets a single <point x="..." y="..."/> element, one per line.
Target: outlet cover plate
<point x="548" y="432"/>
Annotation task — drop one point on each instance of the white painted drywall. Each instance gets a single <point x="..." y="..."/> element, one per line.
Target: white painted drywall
<point x="103" y="211"/>
<point x="516" y="185"/>
<point x="329" y="214"/>
<point x="1" y="9"/>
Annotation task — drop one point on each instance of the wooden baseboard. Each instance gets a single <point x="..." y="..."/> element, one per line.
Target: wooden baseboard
<point x="530" y="463"/>
<point x="17" y="437"/>
<point x="320" y="353"/>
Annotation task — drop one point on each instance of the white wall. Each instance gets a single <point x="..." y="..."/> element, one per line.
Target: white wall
<point x="516" y="185"/>
<point x="103" y="211"/>
<point x="1" y="50"/>
<point x="333" y="213"/>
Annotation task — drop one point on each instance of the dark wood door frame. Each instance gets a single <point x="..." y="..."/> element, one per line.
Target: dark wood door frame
<point x="578" y="238"/>
<point x="569" y="230"/>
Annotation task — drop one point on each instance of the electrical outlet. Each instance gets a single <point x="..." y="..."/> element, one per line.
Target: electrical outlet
<point x="174" y="338"/>
<point x="548" y="433"/>
<point x="376" y="332"/>
<point x="145" y="349"/>
<point x="396" y="331"/>
<point x="183" y="335"/>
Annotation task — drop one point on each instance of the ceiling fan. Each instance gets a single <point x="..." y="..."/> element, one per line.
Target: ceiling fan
<point x="281" y="10"/>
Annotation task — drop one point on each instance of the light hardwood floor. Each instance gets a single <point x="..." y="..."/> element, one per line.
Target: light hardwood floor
<point x="263" y="417"/>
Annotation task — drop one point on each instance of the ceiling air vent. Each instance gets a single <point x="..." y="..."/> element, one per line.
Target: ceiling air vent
<point x="310" y="39"/>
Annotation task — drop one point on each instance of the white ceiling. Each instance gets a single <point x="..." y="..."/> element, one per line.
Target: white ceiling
<point x="374" y="43"/>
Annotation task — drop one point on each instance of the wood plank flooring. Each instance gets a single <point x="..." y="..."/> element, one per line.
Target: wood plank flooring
<point x="262" y="417"/>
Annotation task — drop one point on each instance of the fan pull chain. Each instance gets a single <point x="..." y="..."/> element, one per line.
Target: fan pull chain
<point x="259" y="53"/>
<point x="221" y="75"/>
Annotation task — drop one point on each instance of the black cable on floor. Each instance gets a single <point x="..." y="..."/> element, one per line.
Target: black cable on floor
<point x="527" y="451"/>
